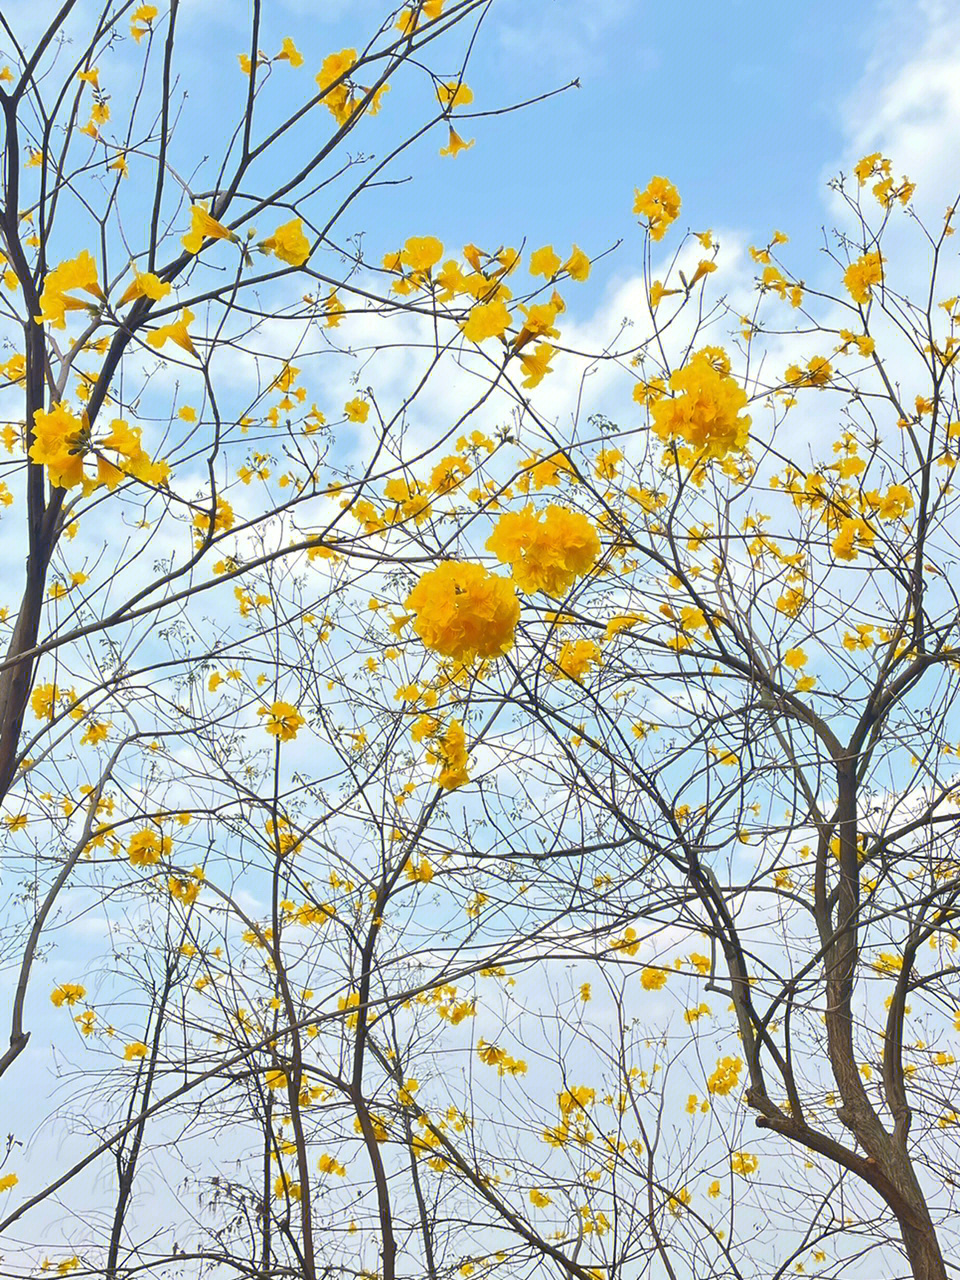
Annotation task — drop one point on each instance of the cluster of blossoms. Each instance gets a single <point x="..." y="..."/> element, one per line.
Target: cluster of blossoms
<point x="885" y="189"/>
<point x="449" y="750"/>
<point x="464" y="612"/>
<point x="62" y="442"/>
<point x="339" y="94"/>
<point x="575" y="659"/>
<point x="55" y="300"/>
<point x="705" y="410"/>
<point x="726" y="1076"/>
<point x="147" y="846"/>
<point x="548" y="550"/>
<point x="283" y="720"/>
<point x="494" y="1056"/>
<point x="659" y="203"/>
<point x="862" y="274"/>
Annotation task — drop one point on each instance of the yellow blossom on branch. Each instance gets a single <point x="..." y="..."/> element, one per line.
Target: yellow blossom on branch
<point x="463" y="611"/>
<point x="288" y="243"/>
<point x="204" y="227"/>
<point x="547" y="550"/>
<point x="659" y="203"/>
<point x="283" y="721"/>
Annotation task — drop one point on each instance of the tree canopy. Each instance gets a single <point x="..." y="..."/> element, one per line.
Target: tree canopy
<point x="477" y="800"/>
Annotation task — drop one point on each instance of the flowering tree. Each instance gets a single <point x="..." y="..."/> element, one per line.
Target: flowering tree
<point x="490" y="816"/>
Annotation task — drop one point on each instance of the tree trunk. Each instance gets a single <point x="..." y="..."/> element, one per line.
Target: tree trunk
<point x="923" y="1250"/>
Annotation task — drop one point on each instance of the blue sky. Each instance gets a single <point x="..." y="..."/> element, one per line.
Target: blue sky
<point x="742" y="105"/>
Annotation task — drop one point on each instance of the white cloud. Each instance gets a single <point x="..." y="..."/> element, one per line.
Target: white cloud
<point x="909" y="107"/>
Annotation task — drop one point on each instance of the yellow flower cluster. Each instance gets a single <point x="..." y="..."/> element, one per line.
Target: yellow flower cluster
<point x="337" y="90"/>
<point x="62" y="441"/>
<point x="862" y="275"/>
<point x="283" y="721"/>
<point x="705" y="411"/>
<point x="659" y="203"/>
<point x="548" y="550"/>
<point x="726" y="1076"/>
<point x="575" y="659"/>
<point x="76" y="273"/>
<point x="449" y="750"/>
<point x="147" y="846"/>
<point x="494" y="1056"/>
<point x="67" y="993"/>
<point x="463" y="611"/>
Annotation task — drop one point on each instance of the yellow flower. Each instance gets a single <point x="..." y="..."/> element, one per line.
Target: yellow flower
<point x="420" y="253"/>
<point x="176" y="332"/>
<point x="136" y="1049"/>
<point x="744" y="1163"/>
<point x="862" y="275"/>
<point x="705" y="411"/>
<point x="288" y="243"/>
<point x="547" y="551"/>
<point x="146" y="847"/>
<point x="284" y="721"/>
<point x="795" y="658"/>
<point x="144" y="285"/>
<point x="76" y="273"/>
<point x="67" y="993"/>
<point x="653" y="979"/>
<point x="486" y="320"/>
<point x="43" y="699"/>
<point x="452" y="95"/>
<point x="577" y="266"/>
<point x="536" y="364"/>
<point x="204" y="227"/>
<point x="463" y="611"/>
<point x="290" y="53"/>
<point x="659" y="203"/>
<point x="456" y="144"/>
<point x="334" y="66"/>
<point x="7" y="1181"/>
<point x="356" y="410"/>
<point x="539" y="1199"/>
<point x="544" y="262"/>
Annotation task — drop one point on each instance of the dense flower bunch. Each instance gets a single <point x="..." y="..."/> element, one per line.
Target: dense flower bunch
<point x="705" y="411"/>
<point x="463" y="611"/>
<point x="659" y="203"/>
<point x="862" y="275"/>
<point x="547" y="550"/>
<point x="727" y="1075"/>
<point x="148" y="846"/>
